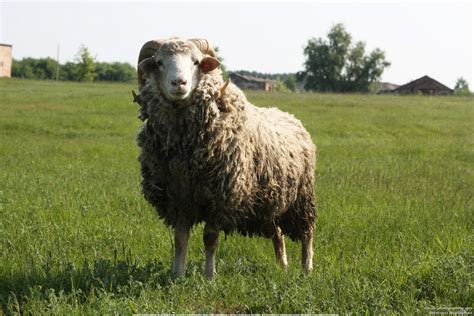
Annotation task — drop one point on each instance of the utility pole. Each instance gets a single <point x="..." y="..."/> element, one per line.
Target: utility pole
<point x="57" y="64"/>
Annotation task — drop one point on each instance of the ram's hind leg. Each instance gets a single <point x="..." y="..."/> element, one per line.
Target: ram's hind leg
<point x="307" y="215"/>
<point x="181" y="236"/>
<point x="279" y="246"/>
<point x="210" y="238"/>
<point x="307" y="252"/>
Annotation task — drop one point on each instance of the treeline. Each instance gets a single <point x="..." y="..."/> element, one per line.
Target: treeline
<point x="84" y="68"/>
<point x="333" y="64"/>
<point x="48" y="68"/>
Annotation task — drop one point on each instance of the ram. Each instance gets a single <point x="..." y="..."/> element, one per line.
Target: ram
<point x="208" y="155"/>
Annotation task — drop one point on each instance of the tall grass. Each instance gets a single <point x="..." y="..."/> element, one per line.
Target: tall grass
<point x="395" y="210"/>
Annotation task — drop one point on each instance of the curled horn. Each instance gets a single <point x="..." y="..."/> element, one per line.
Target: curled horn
<point x="148" y="50"/>
<point x="204" y="46"/>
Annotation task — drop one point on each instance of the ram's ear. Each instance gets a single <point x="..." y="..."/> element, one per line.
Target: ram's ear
<point x="209" y="64"/>
<point x="147" y="65"/>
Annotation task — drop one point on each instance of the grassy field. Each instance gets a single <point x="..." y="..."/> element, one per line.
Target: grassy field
<point x="394" y="234"/>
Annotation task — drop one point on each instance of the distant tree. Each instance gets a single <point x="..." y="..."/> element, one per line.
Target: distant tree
<point x="332" y="64"/>
<point x="291" y="82"/>
<point x="68" y="72"/>
<point x="22" y="69"/>
<point x="461" y="87"/>
<point x="115" y="72"/>
<point x="85" y="65"/>
<point x="280" y="86"/>
<point x="300" y="76"/>
<point x="32" y="68"/>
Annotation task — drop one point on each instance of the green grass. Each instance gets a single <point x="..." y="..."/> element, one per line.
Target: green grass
<point x="394" y="234"/>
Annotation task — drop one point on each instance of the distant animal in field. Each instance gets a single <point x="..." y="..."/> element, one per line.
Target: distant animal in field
<point x="209" y="155"/>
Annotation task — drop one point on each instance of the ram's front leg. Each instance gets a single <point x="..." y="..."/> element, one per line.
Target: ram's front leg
<point x="181" y="236"/>
<point x="279" y="246"/>
<point x="210" y="238"/>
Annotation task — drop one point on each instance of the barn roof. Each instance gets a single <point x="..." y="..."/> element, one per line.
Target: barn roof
<point x="250" y="78"/>
<point x="424" y="82"/>
<point x="384" y="87"/>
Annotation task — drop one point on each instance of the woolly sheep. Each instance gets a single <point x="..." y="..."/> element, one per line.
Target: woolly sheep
<point x="208" y="155"/>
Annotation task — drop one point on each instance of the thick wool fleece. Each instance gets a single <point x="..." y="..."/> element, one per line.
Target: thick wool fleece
<point x="217" y="158"/>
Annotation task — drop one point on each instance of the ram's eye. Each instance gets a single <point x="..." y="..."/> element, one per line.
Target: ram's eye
<point x="159" y="63"/>
<point x="196" y="62"/>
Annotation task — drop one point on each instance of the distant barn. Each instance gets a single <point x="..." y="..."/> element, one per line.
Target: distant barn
<point x="385" y="87"/>
<point x="253" y="83"/>
<point x="5" y="60"/>
<point x="423" y="85"/>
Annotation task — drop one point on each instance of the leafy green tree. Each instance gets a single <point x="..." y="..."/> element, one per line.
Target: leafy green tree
<point x="22" y="69"/>
<point x="291" y="82"/>
<point x="85" y="70"/>
<point x="333" y="64"/>
<point x="68" y="72"/>
<point x="280" y="86"/>
<point x="32" y="68"/>
<point x="461" y="87"/>
<point x="115" y="72"/>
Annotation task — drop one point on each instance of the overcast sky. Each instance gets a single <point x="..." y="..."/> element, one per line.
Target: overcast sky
<point x="418" y="37"/>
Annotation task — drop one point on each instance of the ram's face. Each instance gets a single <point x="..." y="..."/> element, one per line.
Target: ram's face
<point x="177" y="67"/>
<point x="178" y="74"/>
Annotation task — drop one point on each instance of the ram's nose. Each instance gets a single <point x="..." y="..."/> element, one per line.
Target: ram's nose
<point x="179" y="82"/>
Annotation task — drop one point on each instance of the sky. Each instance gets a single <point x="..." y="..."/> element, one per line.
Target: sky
<point x="419" y="38"/>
